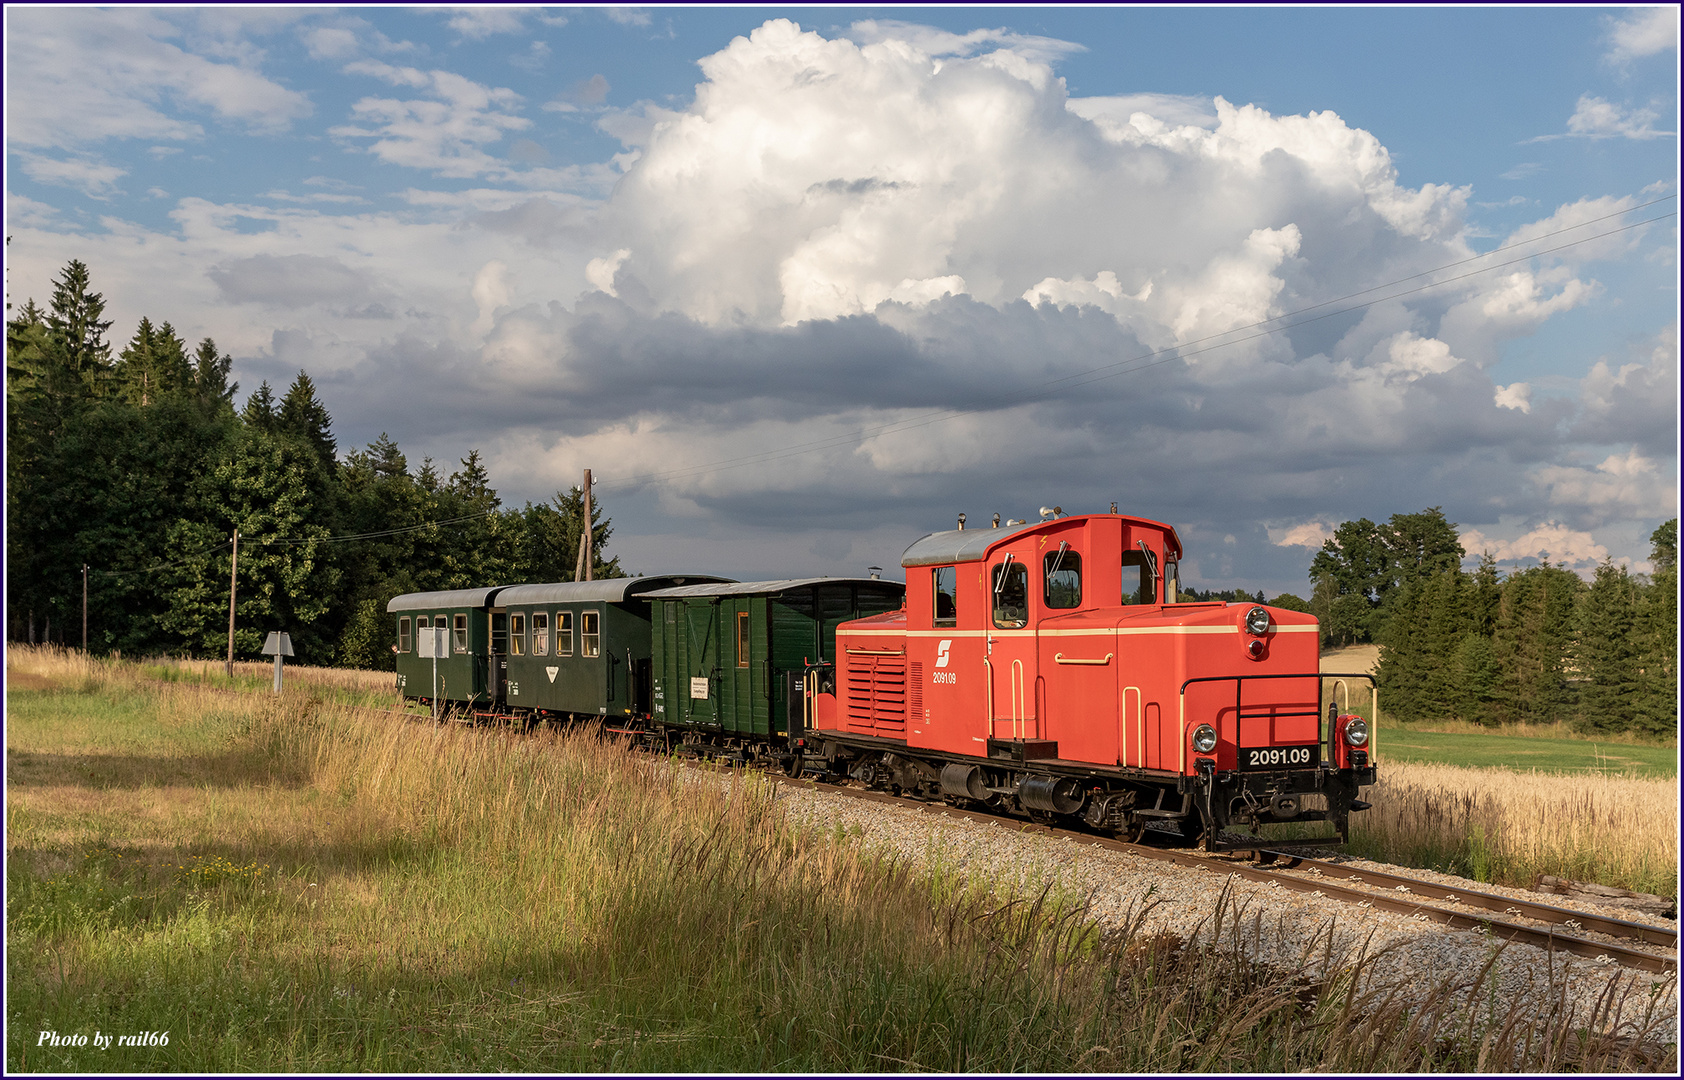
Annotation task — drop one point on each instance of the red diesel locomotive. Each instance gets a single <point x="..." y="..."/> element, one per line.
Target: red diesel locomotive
<point x="1049" y="668"/>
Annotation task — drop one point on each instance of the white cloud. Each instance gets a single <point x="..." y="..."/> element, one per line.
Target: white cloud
<point x="932" y="41"/>
<point x="534" y="58"/>
<point x="1309" y="534"/>
<point x="600" y="272"/>
<point x="482" y="22"/>
<point x="446" y="133"/>
<point x="1643" y="32"/>
<point x="93" y="178"/>
<point x="1551" y="542"/>
<point x="92" y="74"/>
<point x="331" y="42"/>
<point x="1514" y="396"/>
<point x="1595" y="118"/>
<point x="1624" y="485"/>
<point x="627" y="16"/>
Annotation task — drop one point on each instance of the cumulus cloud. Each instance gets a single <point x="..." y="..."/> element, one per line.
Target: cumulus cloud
<point x="445" y="133"/>
<point x="1309" y="534"/>
<point x="1643" y="32"/>
<point x="1595" y="118"/>
<point x="1623" y="486"/>
<point x="93" y="178"/>
<point x="92" y="74"/>
<point x="1551" y="542"/>
<point x="477" y="23"/>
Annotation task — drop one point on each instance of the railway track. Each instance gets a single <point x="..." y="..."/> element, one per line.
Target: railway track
<point x="1388" y="892"/>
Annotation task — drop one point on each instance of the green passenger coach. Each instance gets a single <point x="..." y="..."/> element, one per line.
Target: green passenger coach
<point x="722" y="652"/>
<point x="580" y="647"/>
<point x="464" y="676"/>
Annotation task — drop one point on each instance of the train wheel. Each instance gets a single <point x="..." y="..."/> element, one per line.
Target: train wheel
<point x="1132" y="831"/>
<point x="793" y="766"/>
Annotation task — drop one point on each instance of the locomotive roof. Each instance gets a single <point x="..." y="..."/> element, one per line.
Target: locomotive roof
<point x="602" y="591"/>
<point x="971" y="545"/>
<point x="449" y="598"/>
<point x="763" y="588"/>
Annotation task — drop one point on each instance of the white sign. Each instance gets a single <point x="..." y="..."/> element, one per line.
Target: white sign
<point x="432" y="643"/>
<point x="699" y="689"/>
<point x="551" y="672"/>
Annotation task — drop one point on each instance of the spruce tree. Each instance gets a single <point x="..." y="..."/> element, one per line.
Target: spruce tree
<point x="259" y="412"/>
<point x="303" y="416"/>
<point x="1656" y="708"/>
<point x="210" y="378"/>
<point x="1605" y="654"/>
<point x="77" y="332"/>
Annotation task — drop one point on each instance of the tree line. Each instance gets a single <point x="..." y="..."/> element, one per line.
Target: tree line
<point x="138" y="466"/>
<point x="1535" y="646"/>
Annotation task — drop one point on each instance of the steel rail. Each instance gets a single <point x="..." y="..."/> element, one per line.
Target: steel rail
<point x="1601" y="924"/>
<point x="1546" y="939"/>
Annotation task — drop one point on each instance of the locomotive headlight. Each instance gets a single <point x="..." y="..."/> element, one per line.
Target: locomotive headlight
<point x="1356" y="732"/>
<point x="1204" y="738"/>
<point x="1257" y="621"/>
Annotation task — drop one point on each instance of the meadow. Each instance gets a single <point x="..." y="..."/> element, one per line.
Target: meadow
<point x="295" y="884"/>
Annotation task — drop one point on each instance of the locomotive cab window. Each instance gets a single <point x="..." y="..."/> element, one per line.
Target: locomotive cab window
<point x="403" y="634"/>
<point x="1138" y="586"/>
<point x="1011" y="595"/>
<point x="459" y="638"/>
<point x="540" y="633"/>
<point x="946" y="580"/>
<point x="564" y="633"/>
<point x="742" y="639"/>
<point x="517" y="635"/>
<point x="1172" y="582"/>
<point x="1063" y="578"/>
<point x="590" y="633"/>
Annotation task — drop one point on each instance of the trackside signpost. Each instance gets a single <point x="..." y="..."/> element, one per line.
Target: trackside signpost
<point x="279" y="644"/>
<point x="431" y="641"/>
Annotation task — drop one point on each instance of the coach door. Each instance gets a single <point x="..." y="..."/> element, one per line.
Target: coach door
<point x="701" y="618"/>
<point x="1009" y="648"/>
<point x="499" y="656"/>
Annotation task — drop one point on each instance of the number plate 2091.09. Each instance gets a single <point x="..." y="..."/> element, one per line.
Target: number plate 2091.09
<point x="1280" y="757"/>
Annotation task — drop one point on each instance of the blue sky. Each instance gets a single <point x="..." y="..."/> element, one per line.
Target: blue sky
<point x="655" y="241"/>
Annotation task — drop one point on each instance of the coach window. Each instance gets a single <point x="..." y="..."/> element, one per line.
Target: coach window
<point x="946" y="596"/>
<point x="517" y="635"/>
<point x="1011" y="595"/>
<point x="403" y="634"/>
<point x="590" y="636"/>
<point x="540" y="633"/>
<point x="1063" y="578"/>
<point x="564" y="633"/>
<point x="461" y="634"/>
<point x="742" y="639"/>
<point x="1137" y="579"/>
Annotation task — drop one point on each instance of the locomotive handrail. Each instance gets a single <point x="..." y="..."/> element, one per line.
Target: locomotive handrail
<point x="1060" y="658"/>
<point x="1239" y="680"/>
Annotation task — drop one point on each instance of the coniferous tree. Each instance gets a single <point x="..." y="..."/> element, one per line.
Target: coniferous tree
<point x="1656" y="710"/>
<point x="210" y="378"/>
<point x="303" y="416"/>
<point x="259" y="412"/>
<point x="1606" y="652"/>
<point x="1532" y="643"/>
<point x="77" y="345"/>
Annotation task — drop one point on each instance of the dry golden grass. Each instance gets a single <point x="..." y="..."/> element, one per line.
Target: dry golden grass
<point x="1511" y="827"/>
<point x="297" y="886"/>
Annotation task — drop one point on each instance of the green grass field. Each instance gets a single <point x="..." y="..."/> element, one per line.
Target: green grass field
<point x="1398" y="742"/>
<point x="287" y="885"/>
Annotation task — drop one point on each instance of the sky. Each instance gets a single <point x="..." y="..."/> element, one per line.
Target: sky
<point x="802" y="284"/>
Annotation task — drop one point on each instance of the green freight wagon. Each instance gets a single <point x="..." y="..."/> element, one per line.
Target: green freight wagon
<point x="722" y="653"/>
<point x="580" y="647"/>
<point x="465" y="677"/>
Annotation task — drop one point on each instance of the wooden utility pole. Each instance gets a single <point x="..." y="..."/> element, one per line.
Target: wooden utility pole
<point x="233" y="577"/>
<point x="84" y="607"/>
<point x="585" y="537"/>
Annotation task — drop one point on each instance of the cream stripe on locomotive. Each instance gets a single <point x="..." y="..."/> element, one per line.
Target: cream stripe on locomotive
<point x="1098" y="631"/>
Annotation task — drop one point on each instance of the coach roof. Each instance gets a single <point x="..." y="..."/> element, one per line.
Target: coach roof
<point x="450" y="598"/>
<point x="604" y="591"/>
<point x="763" y="588"/>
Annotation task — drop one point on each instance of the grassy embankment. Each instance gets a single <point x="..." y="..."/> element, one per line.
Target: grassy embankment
<point x="1510" y="806"/>
<point x="286" y="885"/>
